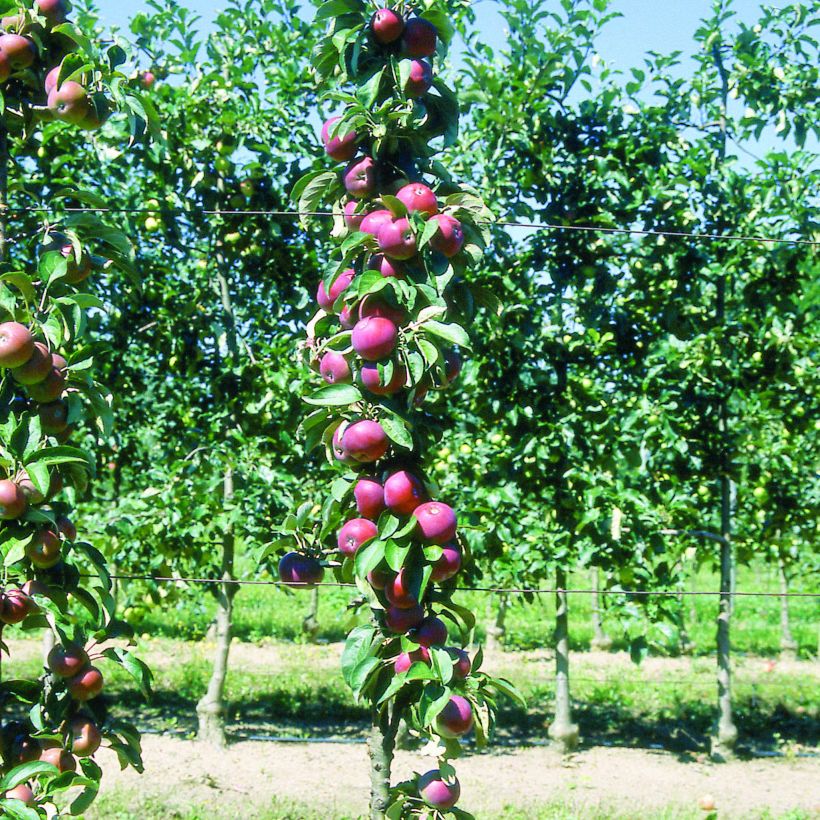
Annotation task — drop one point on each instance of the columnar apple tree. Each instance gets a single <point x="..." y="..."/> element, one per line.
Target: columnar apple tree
<point x="387" y="336"/>
<point x="50" y="406"/>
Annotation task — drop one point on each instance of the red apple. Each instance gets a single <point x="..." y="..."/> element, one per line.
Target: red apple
<point x="365" y="441"/>
<point x="53" y="417"/>
<point x="397" y="240"/>
<point x="26" y="485"/>
<point x="66" y="528"/>
<point x="340" y="284"/>
<point x="20" y="50"/>
<point x="373" y="306"/>
<point x="60" y="758"/>
<point x="59" y="362"/>
<point x="449" y="239"/>
<point x="387" y="26"/>
<point x="404" y="661"/>
<point x="438" y="793"/>
<point x="67" y="661"/>
<point x="354" y="534"/>
<point x="360" y="177"/>
<point x="51" y="79"/>
<point x="373" y="222"/>
<point x="372" y="381"/>
<point x="385" y="266"/>
<point x="403" y="492"/>
<point x="55" y="11"/>
<point x="5" y="67"/>
<point x="45" y="550"/>
<point x="399" y="591"/>
<point x="431" y="631"/>
<point x="400" y="621"/>
<point x="436" y="522"/>
<point x="456" y="718"/>
<point x="14" y="606"/>
<point x="369" y="495"/>
<point x="335" y="369"/>
<point x="419" y="38"/>
<point x="374" y="338"/>
<point x="300" y="570"/>
<point x="339" y="449"/>
<point x="50" y="389"/>
<point x="448" y="565"/>
<point x="16" y="344"/>
<point x="418" y="197"/>
<point x="86" y="685"/>
<point x="347" y="317"/>
<point x="452" y="365"/>
<point x="420" y="79"/>
<point x="352" y="219"/>
<point x="379" y="578"/>
<point x="21" y="792"/>
<point x="85" y="736"/>
<point x="462" y="665"/>
<point x="12" y="500"/>
<point x="36" y="368"/>
<point x="147" y="79"/>
<point x="342" y="149"/>
<point x="69" y="102"/>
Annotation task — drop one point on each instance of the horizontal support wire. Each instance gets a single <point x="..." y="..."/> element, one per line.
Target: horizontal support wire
<point x="540" y="226"/>
<point x="499" y="590"/>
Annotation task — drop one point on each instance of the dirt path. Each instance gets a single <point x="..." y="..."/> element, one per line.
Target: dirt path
<point x="333" y="778"/>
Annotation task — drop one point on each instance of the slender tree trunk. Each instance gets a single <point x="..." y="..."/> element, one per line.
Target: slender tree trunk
<point x="496" y="628"/>
<point x="310" y="623"/>
<point x="381" y="746"/>
<point x="724" y="741"/>
<point x="210" y="709"/>
<point x="562" y="731"/>
<point x="788" y="645"/>
<point x="600" y="640"/>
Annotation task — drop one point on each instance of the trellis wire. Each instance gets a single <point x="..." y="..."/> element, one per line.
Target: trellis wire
<point x="494" y="590"/>
<point x="501" y="222"/>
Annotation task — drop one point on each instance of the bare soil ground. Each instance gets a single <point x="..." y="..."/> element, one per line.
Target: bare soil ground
<point x="244" y="779"/>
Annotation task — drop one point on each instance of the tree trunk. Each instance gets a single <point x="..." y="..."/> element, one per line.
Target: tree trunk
<point x="381" y="745"/>
<point x="788" y="645"/>
<point x="496" y="628"/>
<point x="310" y="623"/>
<point x="724" y="741"/>
<point x="210" y="709"/>
<point x="600" y="640"/>
<point x="562" y="731"/>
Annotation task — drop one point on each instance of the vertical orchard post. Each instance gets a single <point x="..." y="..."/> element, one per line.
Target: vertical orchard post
<point x="562" y="731"/>
<point x="388" y="336"/>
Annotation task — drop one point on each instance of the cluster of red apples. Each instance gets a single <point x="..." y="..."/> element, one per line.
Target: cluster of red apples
<point x="31" y="51"/>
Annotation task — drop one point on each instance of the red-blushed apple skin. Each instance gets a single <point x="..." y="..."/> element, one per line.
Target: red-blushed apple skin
<point x="430" y="632"/>
<point x="438" y="793"/>
<point x="59" y="362"/>
<point x="452" y="365"/>
<point x="397" y="240"/>
<point x="449" y="239"/>
<point x="462" y="665"/>
<point x="339" y="450"/>
<point x="20" y="50"/>
<point x="69" y="102"/>
<point x="416" y="196"/>
<point x="456" y="718"/>
<point x="360" y="177"/>
<point x="436" y="522"/>
<point x="66" y="528"/>
<point x="55" y="10"/>
<point x="334" y="368"/>
<point x="51" y="79"/>
<point x="353" y="220"/>
<point x="26" y="485"/>
<point x="420" y="79"/>
<point x="5" y="67"/>
<point x="371" y="381"/>
<point x="12" y="500"/>
<point x="404" y="661"/>
<point x="148" y="79"/>
<point x="388" y="268"/>
<point x="380" y="578"/>
<point x="21" y="792"/>
<point x="373" y="306"/>
<point x="36" y="368"/>
<point x="61" y="758"/>
<point x="16" y="344"/>
<point x="50" y="389"/>
<point x="373" y="222"/>
<point x="448" y="565"/>
<point x="341" y="149"/>
<point x="25" y="749"/>
<point x="374" y="338"/>
<point x="398" y="591"/>
<point x="300" y="570"/>
<point x="419" y="38"/>
<point x="86" y="737"/>
<point x="403" y="492"/>
<point x="400" y="621"/>
<point x="327" y="299"/>
<point x="53" y="417"/>
<point x="354" y="534"/>
<point x="67" y="661"/>
<point x="365" y="441"/>
<point x="386" y="26"/>
<point x="369" y="495"/>
<point x="347" y="317"/>
<point x="45" y="550"/>
<point x="14" y="606"/>
<point x="86" y="685"/>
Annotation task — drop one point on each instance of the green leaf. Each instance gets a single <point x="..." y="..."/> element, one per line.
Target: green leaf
<point x="335" y="395"/>
<point x="397" y="431"/>
<point x="455" y="334"/>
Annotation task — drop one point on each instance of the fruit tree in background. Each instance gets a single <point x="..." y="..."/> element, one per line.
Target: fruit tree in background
<point x="387" y="336"/>
<point x="50" y="406"/>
